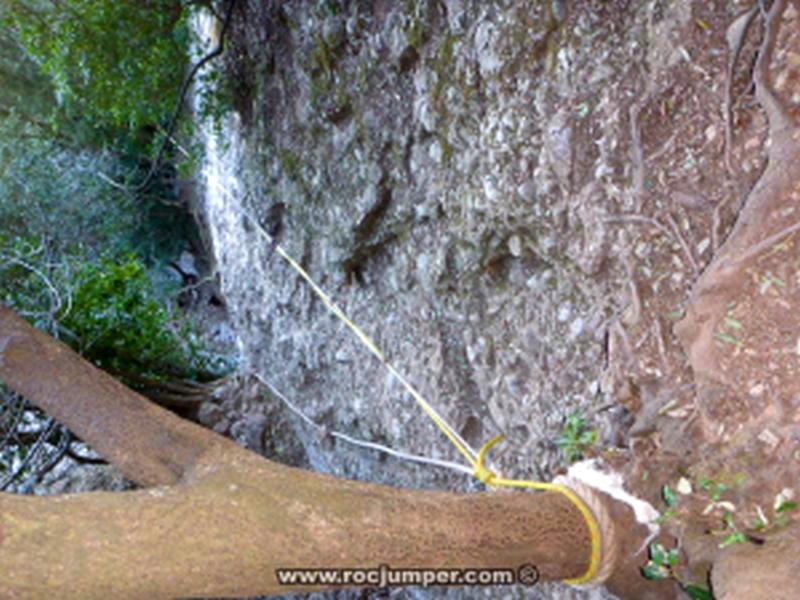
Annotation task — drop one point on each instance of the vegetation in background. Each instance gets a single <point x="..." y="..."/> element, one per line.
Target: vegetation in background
<point x="25" y="92"/>
<point x="85" y="88"/>
<point x="115" y="65"/>
<point x="53" y="193"/>
<point x="121" y="325"/>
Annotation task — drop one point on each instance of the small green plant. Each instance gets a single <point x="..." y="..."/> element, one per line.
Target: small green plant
<point x="781" y="507"/>
<point x="715" y="489"/>
<point x="731" y="532"/>
<point x="669" y="495"/>
<point x="661" y="562"/>
<point x="576" y="438"/>
<point x="662" y="565"/>
<point x="670" y="498"/>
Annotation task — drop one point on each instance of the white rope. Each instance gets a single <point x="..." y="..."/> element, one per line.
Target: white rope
<point x="465" y="448"/>
<point x="362" y="443"/>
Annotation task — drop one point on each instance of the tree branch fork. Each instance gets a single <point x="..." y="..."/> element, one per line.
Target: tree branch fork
<point x="215" y="519"/>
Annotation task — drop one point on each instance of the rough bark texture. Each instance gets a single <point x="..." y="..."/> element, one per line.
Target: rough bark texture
<point x="226" y="534"/>
<point x="149" y="444"/>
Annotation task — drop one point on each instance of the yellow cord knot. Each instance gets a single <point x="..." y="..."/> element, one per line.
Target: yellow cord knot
<point x="480" y="472"/>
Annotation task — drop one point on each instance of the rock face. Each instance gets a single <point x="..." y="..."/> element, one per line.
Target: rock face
<point x="446" y="170"/>
<point x="460" y="177"/>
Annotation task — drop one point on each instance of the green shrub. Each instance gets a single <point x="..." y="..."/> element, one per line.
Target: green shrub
<point x="117" y="322"/>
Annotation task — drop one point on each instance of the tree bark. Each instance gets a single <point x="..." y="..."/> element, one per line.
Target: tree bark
<point x="227" y="533"/>
<point x="220" y="520"/>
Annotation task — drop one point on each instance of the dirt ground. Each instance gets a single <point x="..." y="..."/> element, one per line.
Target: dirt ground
<point x="734" y="431"/>
<point x="707" y="355"/>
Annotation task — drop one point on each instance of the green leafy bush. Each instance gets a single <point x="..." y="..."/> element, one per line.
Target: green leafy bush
<point x="117" y="322"/>
<point x="49" y="193"/>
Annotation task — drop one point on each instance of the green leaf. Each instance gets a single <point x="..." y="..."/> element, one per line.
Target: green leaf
<point x="734" y="538"/>
<point x="113" y="63"/>
<point x="733" y="323"/>
<point x="655" y="572"/>
<point x="670" y="497"/>
<point x="576" y="437"/>
<point x="727" y="518"/>
<point x="665" y="516"/>
<point x="728" y="339"/>
<point x="786" y="506"/>
<point x="697" y="592"/>
<point x="672" y="557"/>
<point x="718" y="490"/>
<point x="658" y="554"/>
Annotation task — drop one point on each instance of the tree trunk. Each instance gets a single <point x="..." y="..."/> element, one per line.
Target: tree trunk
<point x="220" y="520"/>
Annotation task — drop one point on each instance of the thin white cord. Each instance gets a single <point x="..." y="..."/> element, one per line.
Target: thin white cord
<point x="455" y="437"/>
<point x="361" y="443"/>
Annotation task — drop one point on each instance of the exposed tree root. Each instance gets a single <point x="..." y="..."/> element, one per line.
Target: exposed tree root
<point x="780" y="123"/>
<point x="736" y="35"/>
<point x="672" y="233"/>
<point x="756" y="228"/>
<point x="737" y="329"/>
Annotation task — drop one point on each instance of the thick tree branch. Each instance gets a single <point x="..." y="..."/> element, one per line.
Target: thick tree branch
<point x="223" y="519"/>
<point x="226" y="535"/>
<point x="149" y="444"/>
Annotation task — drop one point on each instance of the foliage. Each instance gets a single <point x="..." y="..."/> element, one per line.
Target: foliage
<point x="73" y="247"/>
<point x="576" y="438"/>
<point x="715" y="489"/>
<point x="47" y="191"/>
<point x="84" y="87"/>
<point x="662" y="565"/>
<point x="661" y="562"/>
<point x="109" y="311"/>
<point x="119" y="324"/>
<point x="115" y="64"/>
<point x="60" y="197"/>
<point x="24" y="92"/>
<point x="73" y="252"/>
